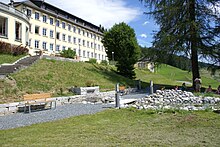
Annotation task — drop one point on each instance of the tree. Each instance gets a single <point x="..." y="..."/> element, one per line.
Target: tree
<point x="121" y="45"/>
<point x="191" y="27"/>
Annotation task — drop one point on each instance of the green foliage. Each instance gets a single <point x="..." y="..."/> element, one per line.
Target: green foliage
<point x="104" y="62"/>
<point x="92" y="60"/>
<point x="121" y="46"/>
<point x="68" y="53"/>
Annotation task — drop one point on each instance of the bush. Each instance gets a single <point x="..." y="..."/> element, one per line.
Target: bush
<point x="92" y="60"/>
<point x="104" y="62"/>
<point x="6" y="48"/>
<point x="68" y="53"/>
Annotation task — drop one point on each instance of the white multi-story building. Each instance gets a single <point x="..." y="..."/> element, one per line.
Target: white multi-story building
<point x="14" y="26"/>
<point x="52" y="30"/>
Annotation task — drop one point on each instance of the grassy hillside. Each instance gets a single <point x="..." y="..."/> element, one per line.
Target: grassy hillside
<point x="169" y="75"/>
<point x="51" y="76"/>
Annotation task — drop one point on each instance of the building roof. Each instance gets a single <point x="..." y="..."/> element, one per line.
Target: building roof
<point x="48" y="8"/>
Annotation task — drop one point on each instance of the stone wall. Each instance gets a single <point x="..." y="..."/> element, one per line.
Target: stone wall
<point x="101" y="97"/>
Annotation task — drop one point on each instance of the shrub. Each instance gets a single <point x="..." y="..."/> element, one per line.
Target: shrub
<point x="104" y="62"/>
<point x="92" y="60"/>
<point x="68" y="53"/>
<point x="6" y="48"/>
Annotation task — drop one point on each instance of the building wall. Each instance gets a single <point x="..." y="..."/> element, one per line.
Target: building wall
<point x="12" y="16"/>
<point x="89" y="46"/>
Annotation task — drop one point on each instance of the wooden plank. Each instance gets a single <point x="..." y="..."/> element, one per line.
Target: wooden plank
<point x="36" y="96"/>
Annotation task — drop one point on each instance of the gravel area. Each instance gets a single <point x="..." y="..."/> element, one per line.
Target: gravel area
<point x="61" y="112"/>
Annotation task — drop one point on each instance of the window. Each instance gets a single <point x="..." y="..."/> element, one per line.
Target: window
<point x="88" y="34"/>
<point x="79" y="52"/>
<point x="69" y="39"/>
<point x="37" y="15"/>
<point x="44" y="45"/>
<point x="84" y="44"/>
<point x="57" y="23"/>
<point x="69" y="27"/>
<point x="88" y="44"/>
<point x="92" y="54"/>
<point x="99" y="56"/>
<point x="37" y="30"/>
<point x="74" y="29"/>
<point x="51" y="21"/>
<point x="87" y="54"/>
<point x="95" y="55"/>
<point x="79" y="41"/>
<point x="3" y="26"/>
<point x="51" y="33"/>
<point x="51" y="46"/>
<point x="29" y="12"/>
<point x="102" y="57"/>
<point x="44" y="32"/>
<point x="44" y="18"/>
<point x="58" y="35"/>
<point x="95" y="45"/>
<point x="64" y="48"/>
<point x="91" y="45"/>
<point x="18" y="31"/>
<point x="84" y="53"/>
<point x="79" y="31"/>
<point x="83" y="32"/>
<point x="74" y="40"/>
<point x="29" y="43"/>
<point x="36" y="45"/>
<point x="63" y="25"/>
<point x="64" y="37"/>
<point x="98" y="47"/>
<point x="58" y="48"/>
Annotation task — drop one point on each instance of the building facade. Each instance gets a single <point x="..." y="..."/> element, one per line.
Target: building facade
<point x="52" y="30"/>
<point x="14" y="26"/>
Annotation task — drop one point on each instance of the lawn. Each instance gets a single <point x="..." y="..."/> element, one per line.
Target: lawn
<point x="4" y="58"/>
<point x="121" y="127"/>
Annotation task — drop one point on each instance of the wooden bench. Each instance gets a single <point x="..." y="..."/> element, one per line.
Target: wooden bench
<point x="38" y="100"/>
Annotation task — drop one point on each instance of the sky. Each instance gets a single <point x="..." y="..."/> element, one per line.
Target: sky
<point x="110" y="12"/>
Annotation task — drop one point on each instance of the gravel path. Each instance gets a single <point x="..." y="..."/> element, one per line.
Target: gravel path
<point x="61" y="112"/>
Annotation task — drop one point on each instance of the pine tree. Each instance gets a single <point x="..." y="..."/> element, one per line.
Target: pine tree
<point x="191" y="27"/>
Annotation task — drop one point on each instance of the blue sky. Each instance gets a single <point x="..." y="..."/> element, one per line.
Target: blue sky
<point x="110" y="12"/>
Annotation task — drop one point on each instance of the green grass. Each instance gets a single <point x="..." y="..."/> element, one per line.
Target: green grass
<point x="4" y="58"/>
<point x="53" y="75"/>
<point x="124" y="127"/>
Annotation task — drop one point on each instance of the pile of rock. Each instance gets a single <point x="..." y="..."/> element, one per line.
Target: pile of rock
<point x="176" y="99"/>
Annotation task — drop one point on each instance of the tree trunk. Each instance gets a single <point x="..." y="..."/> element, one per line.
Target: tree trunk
<point x="193" y="42"/>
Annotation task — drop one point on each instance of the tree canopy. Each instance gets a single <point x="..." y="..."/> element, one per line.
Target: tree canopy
<point x="121" y="45"/>
<point x="189" y="27"/>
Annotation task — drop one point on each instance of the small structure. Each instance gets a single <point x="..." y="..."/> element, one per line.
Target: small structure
<point x="85" y="90"/>
<point x="145" y="63"/>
